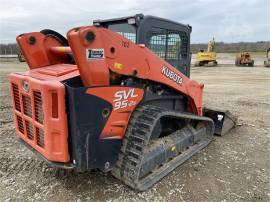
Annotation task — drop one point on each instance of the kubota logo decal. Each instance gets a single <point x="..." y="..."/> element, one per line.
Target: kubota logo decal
<point x="171" y="75"/>
<point x="122" y="99"/>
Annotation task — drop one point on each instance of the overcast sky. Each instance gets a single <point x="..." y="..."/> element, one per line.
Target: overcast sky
<point x="227" y="20"/>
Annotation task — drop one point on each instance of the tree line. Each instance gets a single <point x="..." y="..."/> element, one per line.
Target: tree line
<point x="9" y="49"/>
<point x="220" y="47"/>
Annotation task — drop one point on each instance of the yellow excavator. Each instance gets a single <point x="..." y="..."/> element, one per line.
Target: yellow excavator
<point x="207" y="58"/>
<point x="267" y="61"/>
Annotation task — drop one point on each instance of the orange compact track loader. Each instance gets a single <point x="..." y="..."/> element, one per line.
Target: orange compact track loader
<point x="115" y="96"/>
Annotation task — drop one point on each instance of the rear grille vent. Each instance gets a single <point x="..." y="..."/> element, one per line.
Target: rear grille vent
<point x="38" y="107"/>
<point x="27" y="107"/>
<point x="40" y="137"/>
<point x="29" y="130"/>
<point x="20" y="124"/>
<point x="16" y="97"/>
<point x="29" y="111"/>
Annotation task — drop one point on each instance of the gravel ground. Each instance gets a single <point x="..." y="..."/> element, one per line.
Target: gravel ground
<point x="232" y="168"/>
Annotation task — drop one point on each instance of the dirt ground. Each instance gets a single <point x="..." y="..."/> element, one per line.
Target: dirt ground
<point x="235" y="167"/>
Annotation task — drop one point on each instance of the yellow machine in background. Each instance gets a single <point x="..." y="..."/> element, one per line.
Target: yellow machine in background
<point x="267" y="61"/>
<point x="244" y="59"/>
<point x="207" y="58"/>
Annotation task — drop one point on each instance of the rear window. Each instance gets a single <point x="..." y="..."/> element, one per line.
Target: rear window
<point x="125" y="30"/>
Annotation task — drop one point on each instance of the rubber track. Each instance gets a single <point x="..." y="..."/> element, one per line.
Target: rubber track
<point x="137" y="137"/>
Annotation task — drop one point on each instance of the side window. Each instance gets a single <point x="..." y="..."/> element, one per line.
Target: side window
<point x="157" y="42"/>
<point x="168" y="44"/>
<point x="173" y="46"/>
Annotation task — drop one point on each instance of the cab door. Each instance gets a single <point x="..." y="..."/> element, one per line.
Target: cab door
<point x="169" y="40"/>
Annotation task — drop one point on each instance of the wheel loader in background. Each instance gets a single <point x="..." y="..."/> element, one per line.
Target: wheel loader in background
<point x="115" y="96"/>
<point x="207" y="58"/>
<point x="244" y="59"/>
<point x="267" y="61"/>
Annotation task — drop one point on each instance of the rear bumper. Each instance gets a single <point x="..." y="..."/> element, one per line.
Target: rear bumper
<point x="39" y="115"/>
<point x="67" y="166"/>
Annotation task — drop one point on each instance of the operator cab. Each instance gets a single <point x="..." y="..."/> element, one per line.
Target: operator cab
<point x="167" y="39"/>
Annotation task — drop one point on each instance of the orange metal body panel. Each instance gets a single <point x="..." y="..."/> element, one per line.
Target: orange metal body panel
<point x="124" y="100"/>
<point x="124" y="57"/>
<point x="39" y="110"/>
<point x="37" y="52"/>
<point x="57" y="72"/>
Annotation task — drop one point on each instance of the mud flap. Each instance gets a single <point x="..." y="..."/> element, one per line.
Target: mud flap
<point x="224" y="121"/>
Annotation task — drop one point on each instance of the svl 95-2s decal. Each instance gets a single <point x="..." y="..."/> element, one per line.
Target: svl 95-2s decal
<point x="122" y="98"/>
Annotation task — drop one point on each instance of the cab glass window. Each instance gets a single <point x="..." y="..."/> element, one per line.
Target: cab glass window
<point x="173" y="46"/>
<point x="157" y="42"/>
<point x="125" y="30"/>
<point x="167" y="44"/>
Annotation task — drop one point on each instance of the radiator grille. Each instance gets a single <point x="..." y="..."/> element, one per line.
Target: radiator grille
<point x="39" y="110"/>
<point x="27" y="106"/>
<point x="38" y="107"/>
<point x="26" y="117"/>
<point x="16" y="97"/>
<point x="40" y="137"/>
<point x="29" y="130"/>
<point x="20" y="124"/>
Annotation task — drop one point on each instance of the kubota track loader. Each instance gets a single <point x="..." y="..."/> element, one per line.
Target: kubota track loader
<point x="115" y="96"/>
